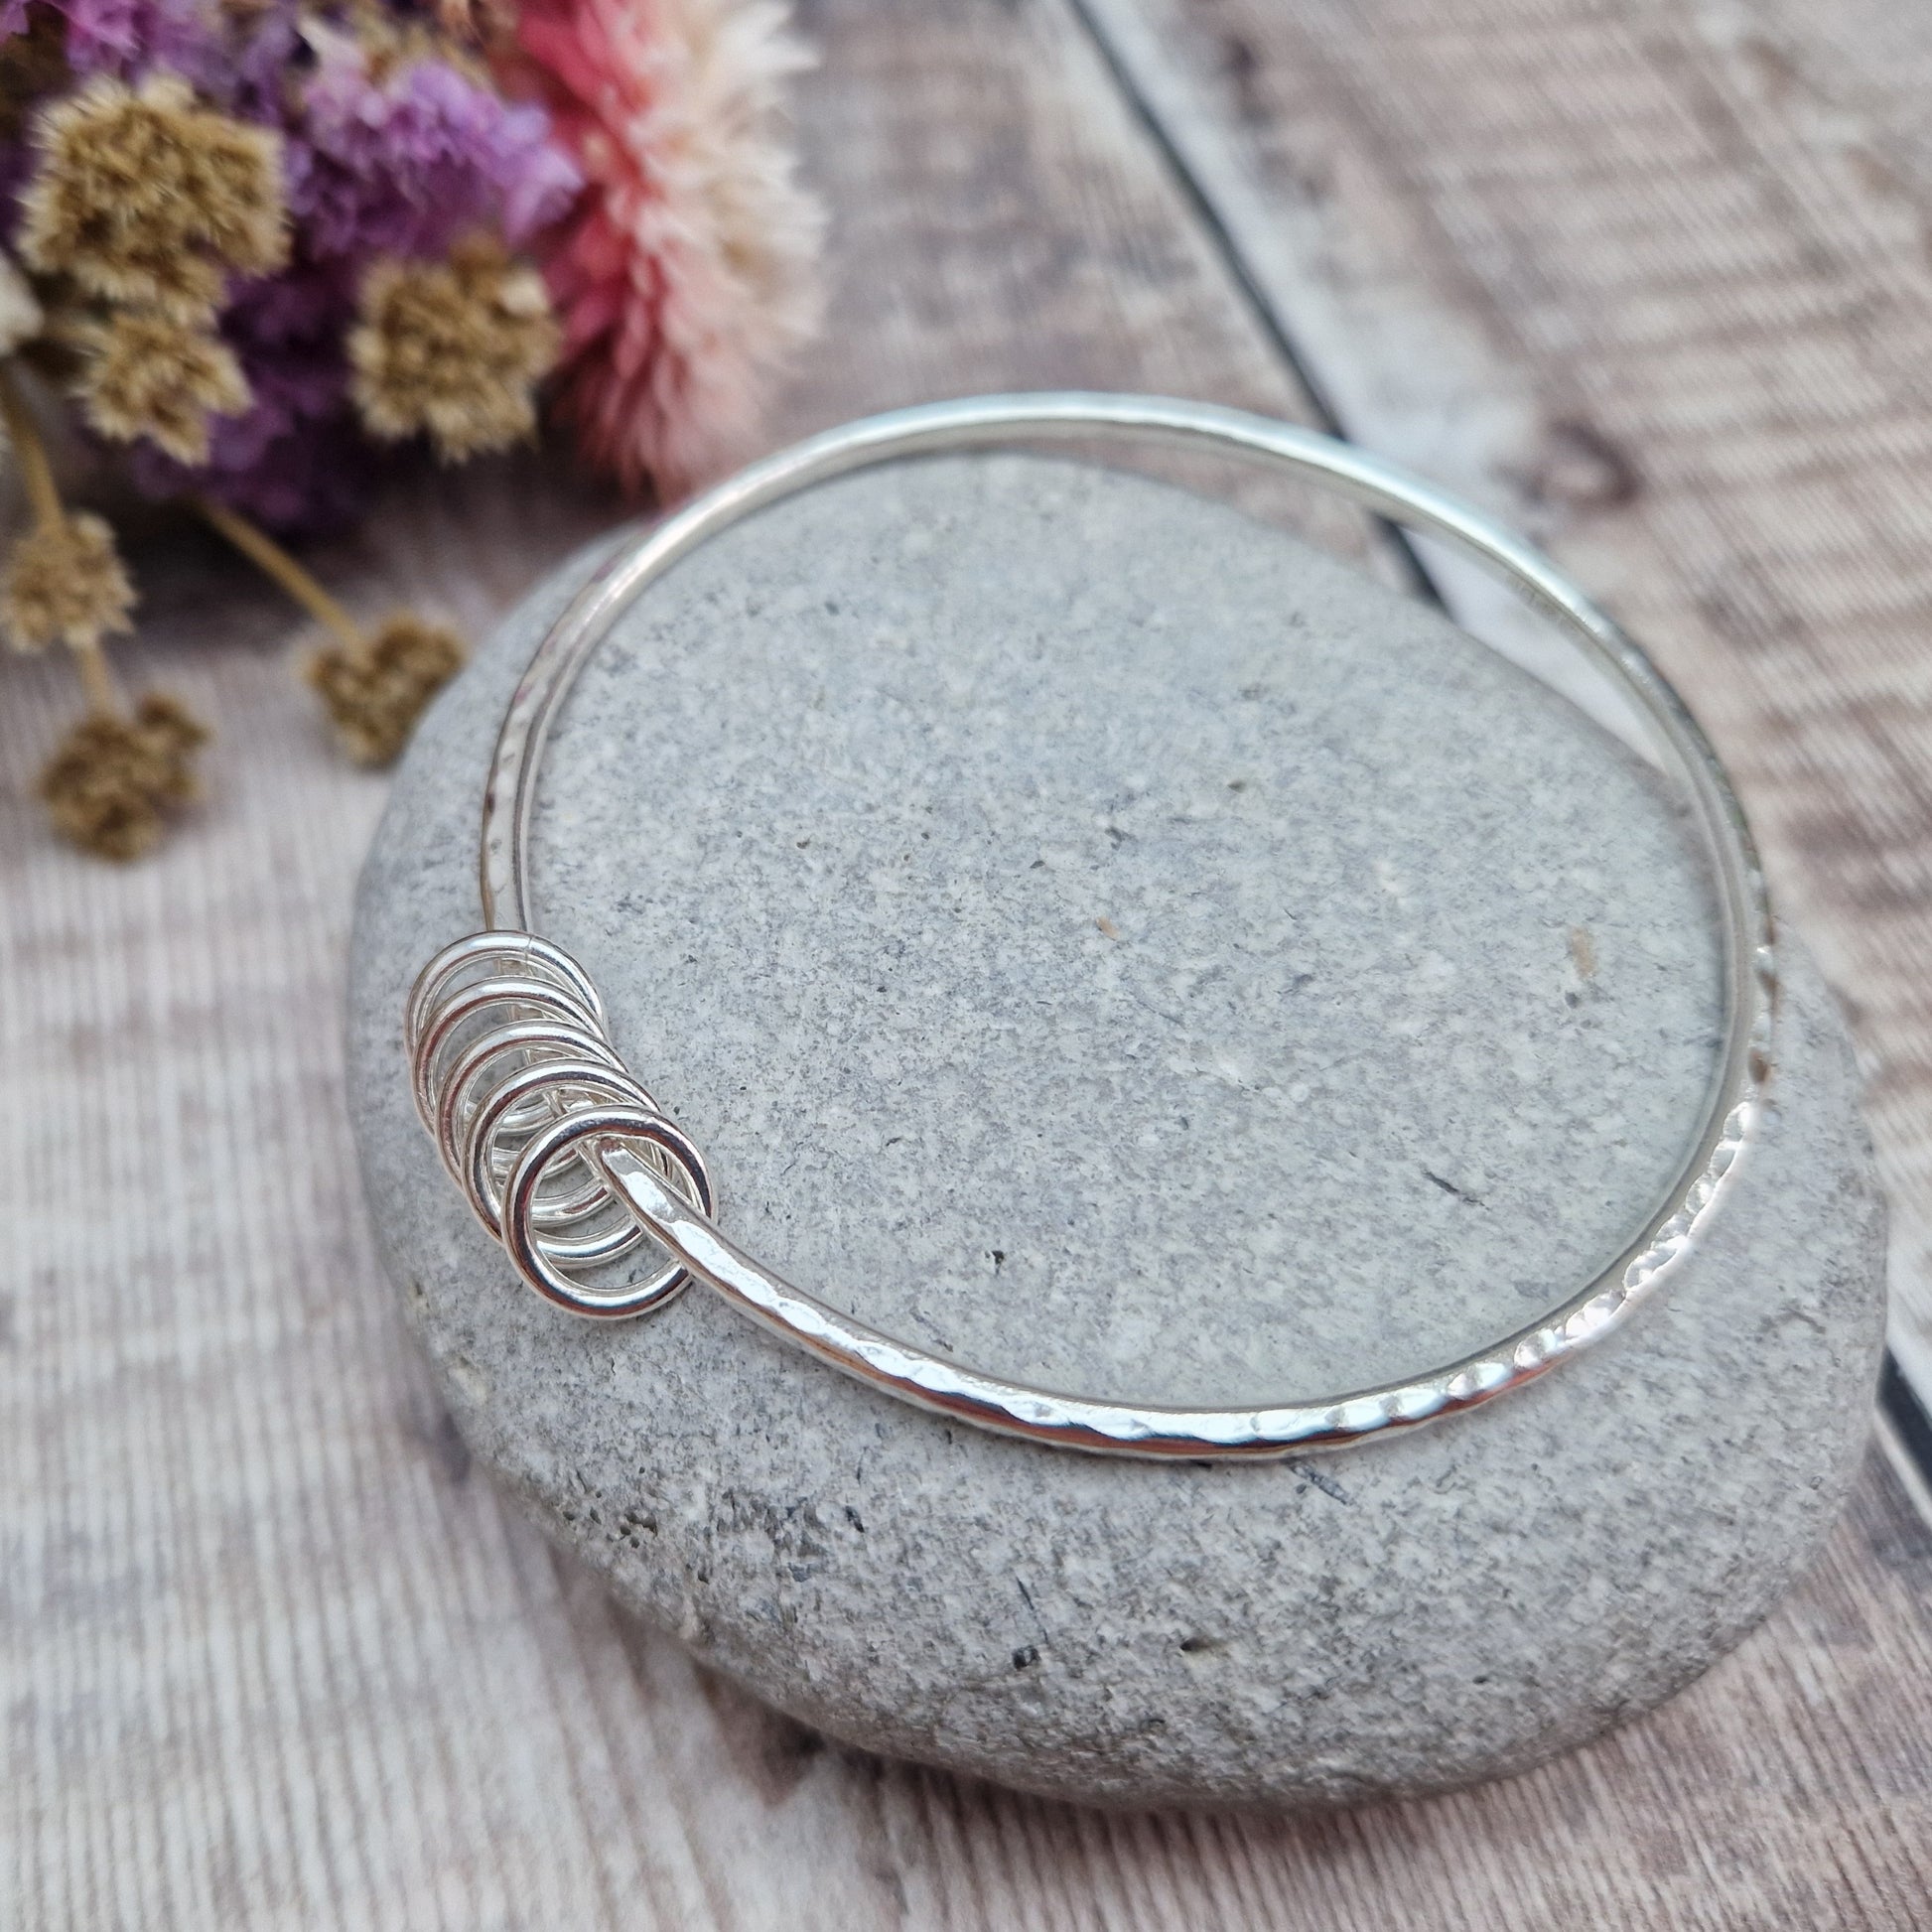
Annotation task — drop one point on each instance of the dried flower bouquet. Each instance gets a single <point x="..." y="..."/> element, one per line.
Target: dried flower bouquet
<point x="256" y="243"/>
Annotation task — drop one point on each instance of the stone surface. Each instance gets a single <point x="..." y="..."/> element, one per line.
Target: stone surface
<point x="1114" y="943"/>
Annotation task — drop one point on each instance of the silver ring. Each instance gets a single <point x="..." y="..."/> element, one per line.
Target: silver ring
<point x="668" y="1198"/>
<point x="445" y="1026"/>
<point x="456" y="1093"/>
<point x="619" y="1126"/>
<point x="580" y="1083"/>
<point x="538" y="957"/>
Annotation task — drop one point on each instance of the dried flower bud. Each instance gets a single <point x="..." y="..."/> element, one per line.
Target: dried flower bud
<point x="374" y="693"/>
<point x="113" y="781"/>
<point x="65" y="583"/>
<point x="454" y="349"/>
<point x="146" y="197"/>
<point x="147" y="374"/>
<point x="234" y="182"/>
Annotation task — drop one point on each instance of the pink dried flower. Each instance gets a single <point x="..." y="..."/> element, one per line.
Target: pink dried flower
<point x="685" y="272"/>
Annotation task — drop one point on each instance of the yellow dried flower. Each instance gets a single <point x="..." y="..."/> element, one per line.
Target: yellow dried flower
<point x="146" y="197"/>
<point x="453" y="348"/>
<point x="65" y="583"/>
<point x="146" y="374"/>
<point x="113" y="780"/>
<point x="375" y="691"/>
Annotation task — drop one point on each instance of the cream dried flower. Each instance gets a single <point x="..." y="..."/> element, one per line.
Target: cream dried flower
<point x="146" y="197"/>
<point x="65" y="583"/>
<point x="113" y="780"/>
<point x="453" y="349"/>
<point x="145" y="374"/>
<point x="375" y="691"/>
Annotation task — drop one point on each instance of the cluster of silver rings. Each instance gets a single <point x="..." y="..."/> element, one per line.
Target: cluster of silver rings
<point x="518" y="1082"/>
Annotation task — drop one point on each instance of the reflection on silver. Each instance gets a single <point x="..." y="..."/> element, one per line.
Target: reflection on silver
<point x="569" y="1162"/>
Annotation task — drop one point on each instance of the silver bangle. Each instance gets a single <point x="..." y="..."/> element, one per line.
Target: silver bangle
<point x="569" y="1162"/>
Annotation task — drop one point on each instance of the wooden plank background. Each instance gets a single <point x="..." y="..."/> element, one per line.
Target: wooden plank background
<point x="1652" y="278"/>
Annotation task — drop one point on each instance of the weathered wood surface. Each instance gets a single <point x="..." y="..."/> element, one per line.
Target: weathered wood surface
<point x="1651" y="277"/>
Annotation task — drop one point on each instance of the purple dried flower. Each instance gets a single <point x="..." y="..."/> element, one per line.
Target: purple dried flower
<point x="269" y="51"/>
<point x="294" y="459"/>
<point x="537" y="179"/>
<point x="305" y="307"/>
<point x="403" y="164"/>
<point x="130" y="38"/>
<point x="294" y="472"/>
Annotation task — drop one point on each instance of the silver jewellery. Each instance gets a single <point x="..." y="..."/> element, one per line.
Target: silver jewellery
<point x="571" y="1164"/>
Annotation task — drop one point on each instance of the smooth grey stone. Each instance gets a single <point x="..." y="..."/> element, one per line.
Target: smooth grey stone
<point x="1101" y="938"/>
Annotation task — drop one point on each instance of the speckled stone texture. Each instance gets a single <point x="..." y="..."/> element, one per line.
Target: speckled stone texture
<point x="1107" y="940"/>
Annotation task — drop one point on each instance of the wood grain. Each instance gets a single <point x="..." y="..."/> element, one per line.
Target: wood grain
<point x="274" y="1654"/>
<point x="1653" y="280"/>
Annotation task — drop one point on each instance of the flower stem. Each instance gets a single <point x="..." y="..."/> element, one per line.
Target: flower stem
<point x="36" y="473"/>
<point x="97" y="680"/>
<point x="274" y="562"/>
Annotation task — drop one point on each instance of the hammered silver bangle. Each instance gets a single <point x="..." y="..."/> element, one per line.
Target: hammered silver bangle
<point x="570" y="1163"/>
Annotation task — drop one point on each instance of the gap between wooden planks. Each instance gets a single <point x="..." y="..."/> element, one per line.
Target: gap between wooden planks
<point x="275" y="1655"/>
